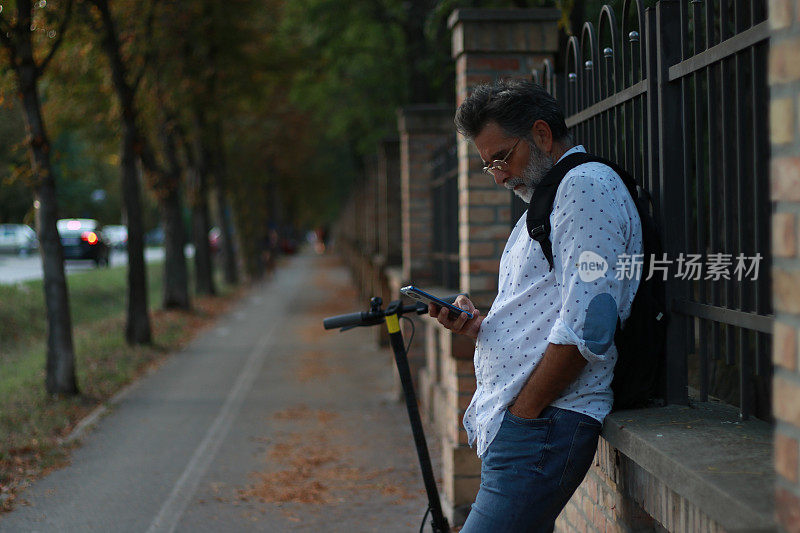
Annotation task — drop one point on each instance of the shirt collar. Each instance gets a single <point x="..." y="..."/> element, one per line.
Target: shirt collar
<point x="573" y="150"/>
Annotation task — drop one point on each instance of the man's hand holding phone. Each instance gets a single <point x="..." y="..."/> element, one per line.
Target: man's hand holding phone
<point x="461" y="324"/>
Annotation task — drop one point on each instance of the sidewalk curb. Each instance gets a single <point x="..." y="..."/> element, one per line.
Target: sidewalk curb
<point x="90" y="420"/>
<point x="87" y="422"/>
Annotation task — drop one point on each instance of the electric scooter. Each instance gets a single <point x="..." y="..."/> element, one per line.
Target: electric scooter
<point x="391" y="317"/>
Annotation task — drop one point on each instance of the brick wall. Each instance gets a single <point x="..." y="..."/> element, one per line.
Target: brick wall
<point x="784" y="116"/>
<point x="389" y="251"/>
<point x="422" y="129"/>
<point x="618" y="495"/>
<point x="389" y="206"/>
<point x="370" y="220"/>
<point x="371" y="207"/>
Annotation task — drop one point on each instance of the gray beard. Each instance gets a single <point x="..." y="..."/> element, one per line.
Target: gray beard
<point x="539" y="164"/>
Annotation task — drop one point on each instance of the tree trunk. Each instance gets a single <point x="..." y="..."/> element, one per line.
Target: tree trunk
<point x="204" y="272"/>
<point x="60" y="376"/>
<point x="137" y="325"/>
<point x="176" y="277"/>
<point x="210" y="136"/>
<point x="203" y="266"/>
<point x="227" y="249"/>
<point x="226" y="244"/>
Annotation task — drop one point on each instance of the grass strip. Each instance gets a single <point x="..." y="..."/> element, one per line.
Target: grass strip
<point x="32" y="423"/>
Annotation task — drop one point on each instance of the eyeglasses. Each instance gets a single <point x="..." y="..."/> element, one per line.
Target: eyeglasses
<point x="500" y="164"/>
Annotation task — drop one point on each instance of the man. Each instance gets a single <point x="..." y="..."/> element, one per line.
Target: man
<point x="544" y="354"/>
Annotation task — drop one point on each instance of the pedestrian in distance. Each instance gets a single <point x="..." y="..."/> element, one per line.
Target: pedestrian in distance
<point x="544" y="353"/>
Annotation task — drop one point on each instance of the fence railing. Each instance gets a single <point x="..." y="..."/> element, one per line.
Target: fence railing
<point x="678" y="95"/>
<point x="444" y="191"/>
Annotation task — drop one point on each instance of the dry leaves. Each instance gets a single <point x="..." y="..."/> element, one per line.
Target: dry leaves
<point x="315" y="468"/>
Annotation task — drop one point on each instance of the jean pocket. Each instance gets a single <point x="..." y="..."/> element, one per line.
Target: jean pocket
<point x="581" y="453"/>
<point x="527" y="421"/>
<point x="519" y="445"/>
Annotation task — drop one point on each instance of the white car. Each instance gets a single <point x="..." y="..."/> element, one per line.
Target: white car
<point x="117" y="236"/>
<point x="17" y="238"/>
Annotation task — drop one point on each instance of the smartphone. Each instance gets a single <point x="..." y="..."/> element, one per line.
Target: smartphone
<point x="418" y="294"/>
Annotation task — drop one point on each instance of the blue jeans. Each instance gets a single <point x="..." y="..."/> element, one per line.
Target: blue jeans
<point x="530" y="471"/>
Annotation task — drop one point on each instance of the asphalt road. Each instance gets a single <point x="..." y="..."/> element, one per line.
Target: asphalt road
<point x="264" y="423"/>
<point x="15" y="268"/>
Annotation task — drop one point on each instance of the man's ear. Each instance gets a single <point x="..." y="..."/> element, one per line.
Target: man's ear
<point x="542" y="136"/>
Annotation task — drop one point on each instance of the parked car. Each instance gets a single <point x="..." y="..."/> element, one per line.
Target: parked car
<point x="116" y="236"/>
<point x="17" y="238"/>
<point x="82" y="238"/>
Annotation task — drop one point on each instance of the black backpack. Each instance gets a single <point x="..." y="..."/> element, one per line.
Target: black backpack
<point x="641" y="340"/>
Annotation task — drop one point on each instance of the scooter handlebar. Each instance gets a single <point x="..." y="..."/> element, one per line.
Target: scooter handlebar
<point x="343" y="321"/>
<point x="372" y="318"/>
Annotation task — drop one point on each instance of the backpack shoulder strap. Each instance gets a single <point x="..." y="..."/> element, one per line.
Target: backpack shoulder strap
<point x="627" y="179"/>
<point x="544" y="194"/>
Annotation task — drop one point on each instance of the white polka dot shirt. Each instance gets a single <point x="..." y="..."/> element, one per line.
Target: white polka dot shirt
<point x="594" y="221"/>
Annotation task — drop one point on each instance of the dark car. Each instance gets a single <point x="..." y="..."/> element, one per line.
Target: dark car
<point x="82" y="238"/>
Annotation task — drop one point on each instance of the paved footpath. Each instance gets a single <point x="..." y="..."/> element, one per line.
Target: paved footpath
<point x="266" y="422"/>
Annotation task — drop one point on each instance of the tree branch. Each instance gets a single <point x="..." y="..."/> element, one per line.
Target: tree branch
<point x="148" y="158"/>
<point x="62" y="29"/>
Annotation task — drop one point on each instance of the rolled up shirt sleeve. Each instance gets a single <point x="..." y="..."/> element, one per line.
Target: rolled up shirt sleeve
<point x="589" y="232"/>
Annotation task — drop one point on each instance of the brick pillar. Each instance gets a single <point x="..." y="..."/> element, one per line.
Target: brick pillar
<point x="370" y="214"/>
<point x="389" y="232"/>
<point x="365" y="221"/>
<point x="490" y="44"/>
<point x="389" y="216"/>
<point x="487" y="44"/>
<point x="784" y="116"/>
<point x="371" y="221"/>
<point x="423" y="128"/>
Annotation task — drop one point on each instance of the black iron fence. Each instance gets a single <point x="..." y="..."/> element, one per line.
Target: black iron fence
<point x="678" y="95"/>
<point x="444" y="191"/>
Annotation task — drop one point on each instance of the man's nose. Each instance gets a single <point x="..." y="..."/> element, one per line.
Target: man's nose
<point x="500" y="176"/>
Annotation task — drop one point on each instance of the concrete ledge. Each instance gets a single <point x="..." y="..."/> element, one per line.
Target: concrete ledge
<point x="707" y="456"/>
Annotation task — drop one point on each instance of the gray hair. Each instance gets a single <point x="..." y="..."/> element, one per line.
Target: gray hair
<point x="514" y="104"/>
